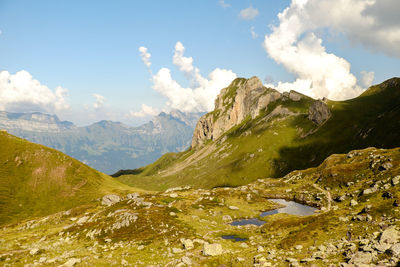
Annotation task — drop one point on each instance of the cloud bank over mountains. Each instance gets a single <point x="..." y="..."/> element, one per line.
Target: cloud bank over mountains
<point x="200" y="95"/>
<point x="294" y="43"/>
<point x="20" y="92"/>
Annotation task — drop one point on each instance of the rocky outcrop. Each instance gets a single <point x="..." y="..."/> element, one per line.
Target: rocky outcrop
<point x="243" y="98"/>
<point x="319" y="112"/>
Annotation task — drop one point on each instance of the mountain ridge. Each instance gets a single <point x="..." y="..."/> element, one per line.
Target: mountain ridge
<point x="106" y="145"/>
<point x="291" y="132"/>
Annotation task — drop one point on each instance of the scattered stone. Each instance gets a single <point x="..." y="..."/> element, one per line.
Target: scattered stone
<point x="186" y="260"/>
<point x="361" y="258"/>
<point x="83" y="219"/>
<point x="141" y="247"/>
<point x="187" y="244"/>
<point x="395" y="250"/>
<point x="233" y="208"/>
<point x="34" y="251"/>
<point x="71" y="262"/>
<point x="227" y="218"/>
<point x="389" y="236"/>
<point x="212" y="249"/>
<point x="385" y="166"/>
<point x="260" y="249"/>
<point x="177" y="250"/>
<point x="396" y="180"/>
<point x="173" y="214"/>
<point x="244" y="245"/>
<point x="124" y="262"/>
<point x="109" y="200"/>
<point x="173" y="195"/>
<point x="132" y="196"/>
<point x="353" y="203"/>
<point x="42" y="259"/>
<point x="299" y="247"/>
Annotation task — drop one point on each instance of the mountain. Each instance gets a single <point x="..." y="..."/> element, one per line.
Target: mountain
<point x="106" y="146"/>
<point x="37" y="181"/>
<point x="256" y="132"/>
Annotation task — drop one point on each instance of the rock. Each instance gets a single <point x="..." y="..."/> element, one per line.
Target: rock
<point x="186" y="260"/>
<point x="395" y="250"/>
<point x="187" y="243"/>
<point x="83" y="219"/>
<point x="124" y="262"/>
<point x="233" y="208"/>
<point x="109" y="200"/>
<point x="242" y="98"/>
<point x="260" y="249"/>
<point x="389" y="236"/>
<point x="132" y="196"/>
<point x="42" y="259"/>
<point x="319" y="112"/>
<point x="227" y="218"/>
<point x="141" y="247"/>
<point x="173" y="214"/>
<point x="299" y="247"/>
<point x="212" y="249"/>
<point x="385" y="166"/>
<point x="361" y="258"/>
<point x="353" y="203"/>
<point x="173" y="195"/>
<point x="71" y="262"/>
<point x="177" y="250"/>
<point x="34" y="251"/>
<point x="396" y="180"/>
<point x="244" y="245"/>
<point x="369" y="191"/>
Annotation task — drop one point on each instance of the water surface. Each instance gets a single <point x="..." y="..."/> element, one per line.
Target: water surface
<point x="290" y="207"/>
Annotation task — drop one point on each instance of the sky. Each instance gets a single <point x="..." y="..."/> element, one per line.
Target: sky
<point x="127" y="61"/>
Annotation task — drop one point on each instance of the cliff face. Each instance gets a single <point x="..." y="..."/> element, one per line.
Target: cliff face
<point x="241" y="99"/>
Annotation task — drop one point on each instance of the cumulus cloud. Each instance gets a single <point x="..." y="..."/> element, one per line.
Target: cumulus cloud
<point x="145" y="56"/>
<point x="254" y="35"/>
<point x="367" y="78"/>
<point x="201" y="93"/>
<point x="223" y="4"/>
<point x="144" y="112"/>
<point x="20" y="92"/>
<point x="318" y="73"/>
<point x="249" y="13"/>
<point x="99" y="101"/>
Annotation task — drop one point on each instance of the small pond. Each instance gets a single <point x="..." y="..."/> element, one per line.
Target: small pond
<point x="290" y="207"/>
<point x="234" y="238"/>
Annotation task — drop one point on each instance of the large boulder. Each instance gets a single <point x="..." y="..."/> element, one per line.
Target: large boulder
<point x="212" y="249"/>
<point x="319" y="112"/>
<point x="109" y="200"/>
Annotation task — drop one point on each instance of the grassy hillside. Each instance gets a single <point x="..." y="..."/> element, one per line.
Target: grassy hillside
<point x="36" y="180"/>
<point x="272" y="146"/>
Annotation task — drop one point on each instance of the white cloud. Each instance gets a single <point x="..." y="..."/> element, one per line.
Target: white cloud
<point x="200" y="95"/>
<point x="99" y="101"/>
<point x="223" y="4"/>
<point x="367" y="78"/>
<point x="144" y="112"/>
<point x="249" y="13"/>
<point x="254" y="35"/>
<point x="19" y="92"/>
<point x="145" y="56"/>
<point x="318" y="73"/>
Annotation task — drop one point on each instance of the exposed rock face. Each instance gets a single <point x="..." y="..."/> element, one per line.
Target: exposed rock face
<point x="212" y="249"/>
<point x="109" y="200"/>
<point x="243" y="98"/>
<point x="319" y="112"/>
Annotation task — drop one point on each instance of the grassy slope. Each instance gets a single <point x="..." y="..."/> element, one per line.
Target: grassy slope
<point x="258" y="148"/>
<point x="36" y="180"/>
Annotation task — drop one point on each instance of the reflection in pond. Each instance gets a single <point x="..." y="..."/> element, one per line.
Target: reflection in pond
<point x="234" y="237"/>
<point x="290" y="207"/>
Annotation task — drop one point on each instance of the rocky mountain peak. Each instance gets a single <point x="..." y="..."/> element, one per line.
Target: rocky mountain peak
<point x="241" y="99"/>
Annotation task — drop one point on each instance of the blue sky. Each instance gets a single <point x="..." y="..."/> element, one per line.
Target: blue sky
<point x="91" y="47"/>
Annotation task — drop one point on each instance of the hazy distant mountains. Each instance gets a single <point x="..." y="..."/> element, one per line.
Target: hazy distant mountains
<point x="106" y="145"/>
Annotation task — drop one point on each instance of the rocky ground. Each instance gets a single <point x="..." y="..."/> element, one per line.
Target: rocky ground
<point x="357" y="223"/>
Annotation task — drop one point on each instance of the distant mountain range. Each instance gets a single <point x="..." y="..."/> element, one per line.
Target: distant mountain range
<point x="106" y="146"/>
